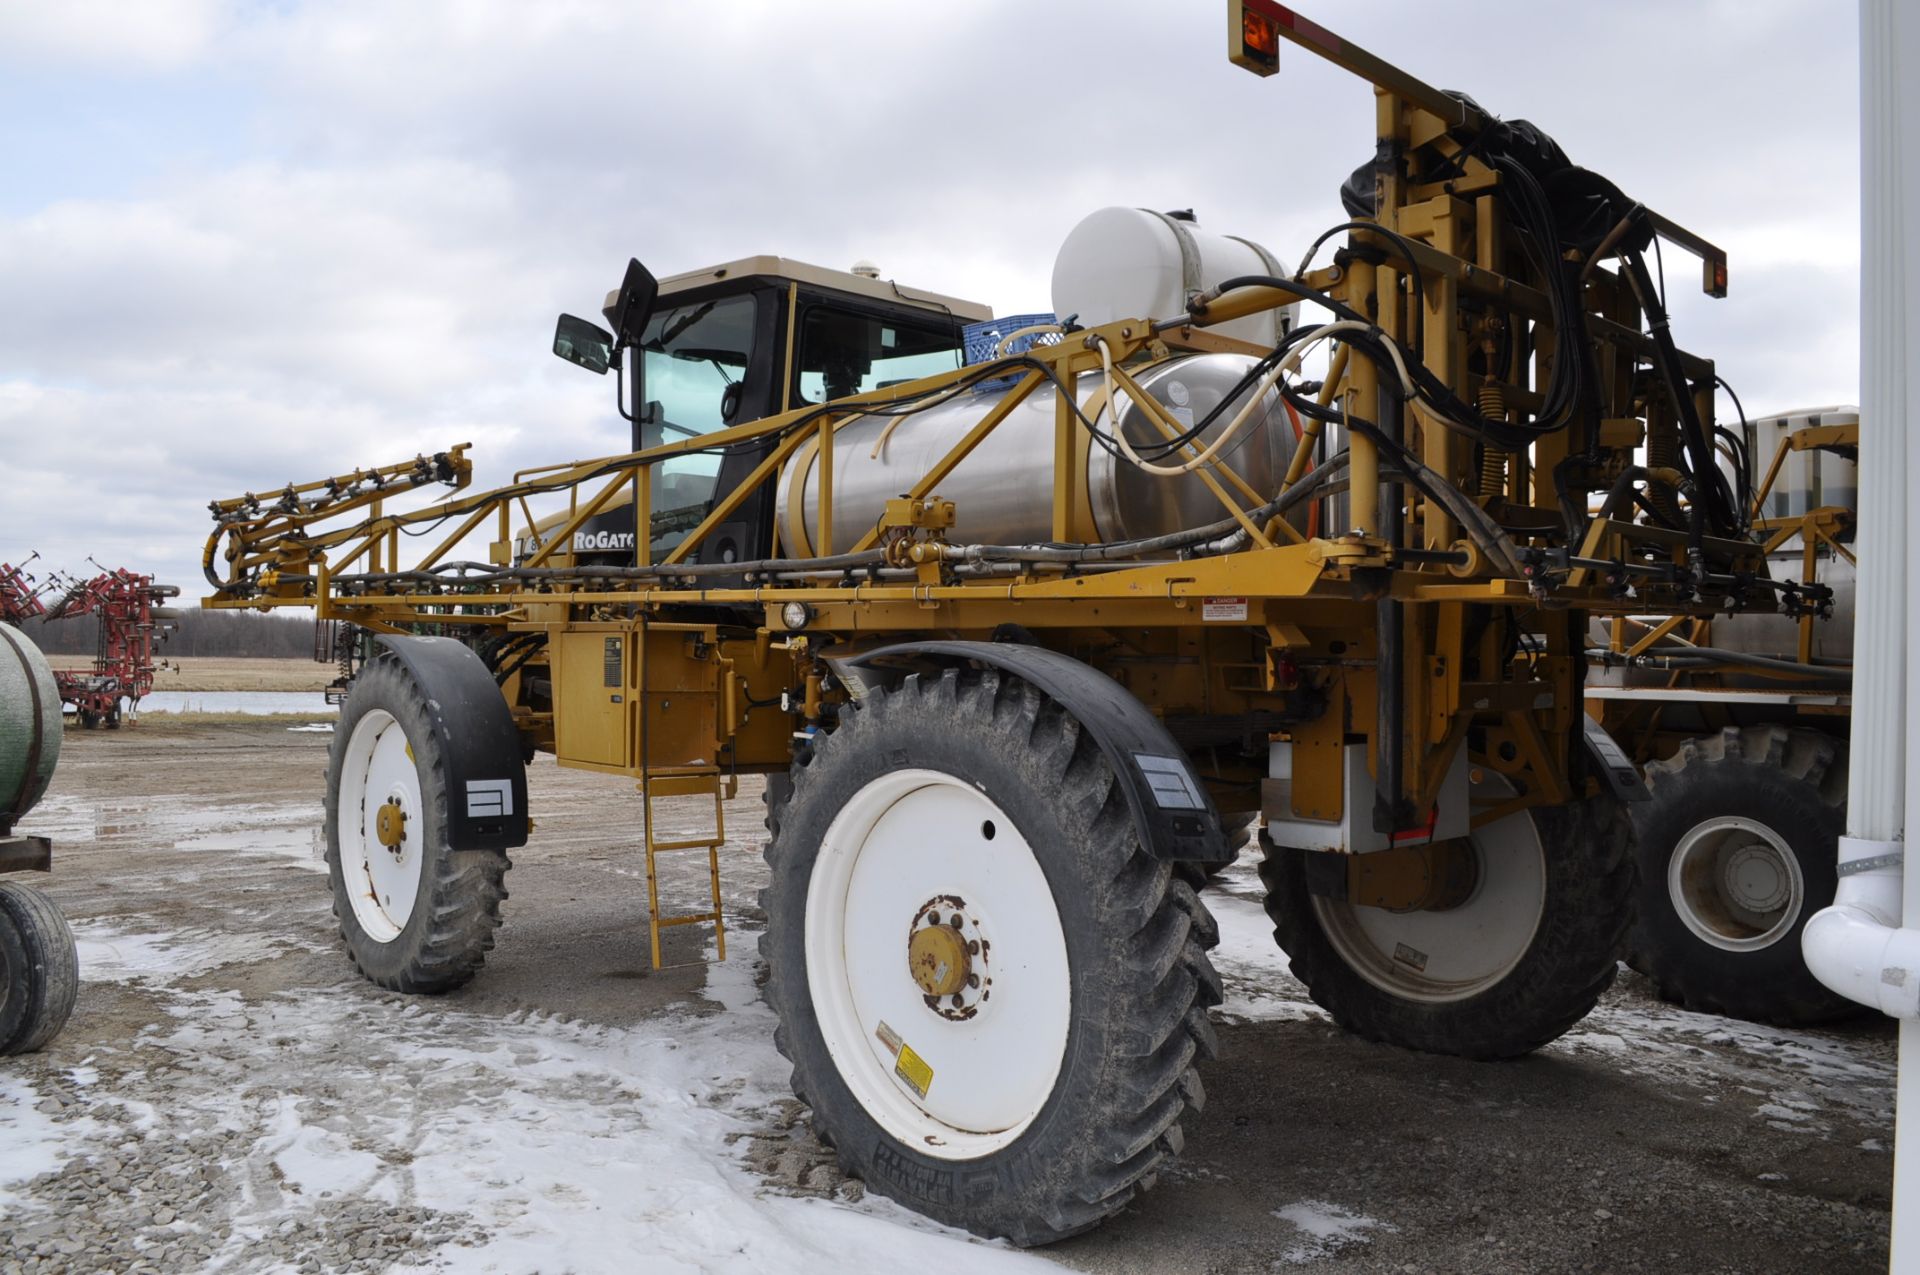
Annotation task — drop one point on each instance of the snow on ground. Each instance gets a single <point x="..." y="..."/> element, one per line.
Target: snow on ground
<point x="534" y="1142"/>
<point x="30" y="1143"/>
<point x="556" y="1145"/>
<point x="300" y="841"/>
<point x="1253" y="970"/>
<point x="1708" y="1055"/>
<point x="64" y="816"/>
<point x="1324" y="1229"/>
<point x="1702" y="1053"/>
<point x="278" y="830"/>
<point x="112" y="954"/>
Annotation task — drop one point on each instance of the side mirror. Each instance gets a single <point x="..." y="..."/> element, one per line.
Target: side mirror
<point x="584" y="343"/>
<point x="634" y="307"/>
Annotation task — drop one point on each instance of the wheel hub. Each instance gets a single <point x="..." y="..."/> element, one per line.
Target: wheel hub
<point x="390" y="824"/>
<point x="937" y="955"/>
<point x="1735" y="883"/>
<point x="1754" y="879"/>
<point x="382" y="842"/>
<point x="947" y="958"/>
<point x="1443" y="923"/>
<point x="953" y="1077"/>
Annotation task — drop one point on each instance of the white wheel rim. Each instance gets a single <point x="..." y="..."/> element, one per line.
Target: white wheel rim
<point x="1736" y="884"/>
<point x="1438" y="957"/>
<point x="381" y="881"/>
<point x="906" y="839"/>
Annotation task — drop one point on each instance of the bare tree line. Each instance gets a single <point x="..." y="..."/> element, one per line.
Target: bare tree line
<point x="195" y="632"/>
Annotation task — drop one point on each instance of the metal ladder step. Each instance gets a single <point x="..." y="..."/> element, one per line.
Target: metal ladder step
<point x="685" y="783"/>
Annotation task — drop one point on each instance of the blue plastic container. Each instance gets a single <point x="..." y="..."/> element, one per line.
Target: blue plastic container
<point x="983" y="339"/>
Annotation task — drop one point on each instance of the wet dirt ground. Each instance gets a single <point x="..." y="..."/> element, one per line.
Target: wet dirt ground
<point x="230" y="1095"/>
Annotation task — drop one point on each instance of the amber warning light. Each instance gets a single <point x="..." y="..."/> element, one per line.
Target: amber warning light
<point x="1253" y="39"/>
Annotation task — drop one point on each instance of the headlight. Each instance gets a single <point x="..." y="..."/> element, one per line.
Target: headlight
<point x="794" y="615"/>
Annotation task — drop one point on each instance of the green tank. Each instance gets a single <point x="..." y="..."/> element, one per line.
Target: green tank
<point x="30" y="725"/>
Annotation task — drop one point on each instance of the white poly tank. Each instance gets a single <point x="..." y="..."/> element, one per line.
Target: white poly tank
<point x="1807" y="479"/>
<point x="1130" y="263"/>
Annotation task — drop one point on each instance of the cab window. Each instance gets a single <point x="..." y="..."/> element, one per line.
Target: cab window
<point x="842" y="353"/>
<point x="693" y="361"/>
<point x="693" y="356"/>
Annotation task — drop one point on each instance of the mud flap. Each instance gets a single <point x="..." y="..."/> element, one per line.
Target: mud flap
<point x="486" y="767"/>
<point x="1176" y="818"/>
<point x="1622" y="777"/>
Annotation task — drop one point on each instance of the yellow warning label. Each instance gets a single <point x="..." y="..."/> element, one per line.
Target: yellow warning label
<point x="913" y="1069"/>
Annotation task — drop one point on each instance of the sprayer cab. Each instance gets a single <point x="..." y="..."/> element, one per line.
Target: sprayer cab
<point x="733" y="343"/>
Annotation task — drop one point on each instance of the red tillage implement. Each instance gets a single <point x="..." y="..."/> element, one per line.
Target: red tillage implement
<point x="130" y="623"/>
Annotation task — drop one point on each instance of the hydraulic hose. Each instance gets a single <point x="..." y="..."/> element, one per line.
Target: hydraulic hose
<point x="1706" y="656"/>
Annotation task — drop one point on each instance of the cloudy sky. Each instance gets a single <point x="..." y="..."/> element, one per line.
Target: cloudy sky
<point x="248" y="243"/>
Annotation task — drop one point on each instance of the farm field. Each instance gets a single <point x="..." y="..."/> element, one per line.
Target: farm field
<point x="213" y="673"/>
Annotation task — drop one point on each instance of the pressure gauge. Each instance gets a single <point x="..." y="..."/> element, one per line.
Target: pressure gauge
<point x="794" y="615"/>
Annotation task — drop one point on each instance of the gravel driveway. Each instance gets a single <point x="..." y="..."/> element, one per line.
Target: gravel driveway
<point x="230" y="1096"/>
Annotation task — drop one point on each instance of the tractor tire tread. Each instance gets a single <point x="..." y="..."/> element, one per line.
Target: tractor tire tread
<point x="1806" y="772"/>
<point x="43" y="989"/>
<point x="1586" y="920"/>
<point x="464" y="894"/>
<point x="1161" y="977"/>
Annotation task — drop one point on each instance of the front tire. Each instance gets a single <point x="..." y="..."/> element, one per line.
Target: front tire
<point x="1737" y="851"/>
<point x="416" y="914"/>
<point x="1039" y="1095"/>
<point x="39" y="969"/>
<point x="1512" y="968"/>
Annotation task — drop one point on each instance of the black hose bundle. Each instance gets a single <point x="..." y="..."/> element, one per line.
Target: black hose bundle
<point x="1559" y="209"/>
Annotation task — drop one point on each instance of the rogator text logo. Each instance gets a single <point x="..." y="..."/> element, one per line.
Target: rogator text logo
<point x="583" y="542"/>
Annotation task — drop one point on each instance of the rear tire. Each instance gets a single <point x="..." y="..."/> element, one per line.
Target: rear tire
<point x="1522" y="960"/>
<point x="39" y="969"/>
<point x="1067" y="1073"/>
<point x="1737" y="851"/>
<point x="417" y="915"/>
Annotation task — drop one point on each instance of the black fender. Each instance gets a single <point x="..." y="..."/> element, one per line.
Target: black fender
<point x="1175" y="816"/>
<point x="1616" y="769"/>
<point x="486" y="764"/>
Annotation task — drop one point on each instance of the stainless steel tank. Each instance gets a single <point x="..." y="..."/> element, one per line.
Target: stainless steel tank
<point x="1003" y="490"/>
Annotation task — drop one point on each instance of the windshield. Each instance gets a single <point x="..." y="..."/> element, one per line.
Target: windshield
<point x="693" y="359"/>
<point x="693" y="355"/>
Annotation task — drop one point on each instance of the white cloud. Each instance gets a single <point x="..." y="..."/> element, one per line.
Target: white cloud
<point x="149" y="35"/>
<point x="421" y="187"/>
